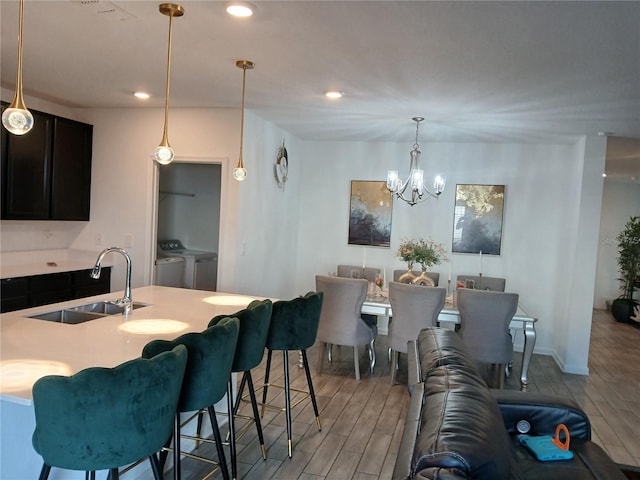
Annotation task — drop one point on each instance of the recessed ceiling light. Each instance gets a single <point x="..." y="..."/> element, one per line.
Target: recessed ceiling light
<point x="604" y="175"/>
<point x="142" y="95"/>
<point x="333" y="94"/>
<point x="239" y="9"/>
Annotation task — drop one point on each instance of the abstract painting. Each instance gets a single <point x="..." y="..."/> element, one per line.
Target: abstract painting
<point x="477" y="222"/>
<point x="370" y="214"/>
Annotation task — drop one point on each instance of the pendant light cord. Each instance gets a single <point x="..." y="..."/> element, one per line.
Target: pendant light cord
<point x="165" y="139"/>
<point x="19" y="100"/>
<point x="244" y="79"/>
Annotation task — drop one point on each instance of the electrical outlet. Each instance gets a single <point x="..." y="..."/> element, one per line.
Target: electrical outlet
<point x="243" y="249"/>
<point x="99" y="239"/>
<point x="128" y="240"/>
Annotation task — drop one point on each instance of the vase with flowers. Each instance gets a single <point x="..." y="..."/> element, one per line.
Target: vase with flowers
<point x="428" y="253"/>
<point x="406" y="253"/>
<point x="424" y="252"/>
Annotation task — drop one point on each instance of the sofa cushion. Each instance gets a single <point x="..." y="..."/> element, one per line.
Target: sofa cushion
<point x="461" y="426"/>
<point x="439" y="346"/>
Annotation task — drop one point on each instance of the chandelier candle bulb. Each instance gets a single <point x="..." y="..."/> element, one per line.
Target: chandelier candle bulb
<point x="480" y="262"/>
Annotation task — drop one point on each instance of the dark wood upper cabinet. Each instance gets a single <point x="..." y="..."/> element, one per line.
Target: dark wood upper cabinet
<point x="71" y="172"/>
<point x="46" y="173"/>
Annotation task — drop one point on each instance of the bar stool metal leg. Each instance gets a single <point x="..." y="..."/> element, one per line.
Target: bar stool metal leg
<point x="311" y="391"/>
<point x="287" y="394"/>
<point x="266" y="382"/>
<point x="232" y="437"/>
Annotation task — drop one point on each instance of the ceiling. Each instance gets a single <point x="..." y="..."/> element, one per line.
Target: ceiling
<point x="515" y="71"/>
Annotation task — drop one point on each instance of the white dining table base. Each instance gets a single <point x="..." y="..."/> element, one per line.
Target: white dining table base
<point x="450" y="317"/>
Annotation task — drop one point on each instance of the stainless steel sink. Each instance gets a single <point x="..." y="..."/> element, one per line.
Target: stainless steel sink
<point x="71" y="317"/>
<point x="105" y="308"/>
<point x="85" y="313"/>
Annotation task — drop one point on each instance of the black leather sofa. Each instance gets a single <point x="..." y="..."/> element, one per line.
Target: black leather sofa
<point x="458" y="428"/>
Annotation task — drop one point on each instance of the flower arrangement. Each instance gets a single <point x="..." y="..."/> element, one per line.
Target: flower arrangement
<point x="424" y="252"/>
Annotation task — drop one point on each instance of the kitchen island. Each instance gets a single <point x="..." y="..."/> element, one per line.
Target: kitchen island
<point x="31" y="348"/>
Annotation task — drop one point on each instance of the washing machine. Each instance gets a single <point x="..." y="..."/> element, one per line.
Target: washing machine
<point x="200" y="267"/>
<point x="170" y="272"/>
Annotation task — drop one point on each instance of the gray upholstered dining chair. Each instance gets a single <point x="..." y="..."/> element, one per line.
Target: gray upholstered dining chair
<point x="484" y="328"/>
<point x="414" y="307"/>
<point x="495" y="284"/>
<point x="340" y="320"/>
<point x="435" y="276"/>
<point x="368" y="273"/>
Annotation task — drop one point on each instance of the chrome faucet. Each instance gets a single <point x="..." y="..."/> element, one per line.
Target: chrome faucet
<point x="127" y="301"/>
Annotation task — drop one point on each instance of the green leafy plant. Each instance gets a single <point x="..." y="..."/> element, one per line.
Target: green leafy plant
<point x="424" y="252"/>
<point x="629" y="257"/>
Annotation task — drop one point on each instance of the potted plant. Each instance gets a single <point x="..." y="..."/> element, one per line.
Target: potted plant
<point x="628" y="259"/>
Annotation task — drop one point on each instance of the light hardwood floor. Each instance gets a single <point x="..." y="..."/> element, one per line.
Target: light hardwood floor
<point x="362" y="421"/>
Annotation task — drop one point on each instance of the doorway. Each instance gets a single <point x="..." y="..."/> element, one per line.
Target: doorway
<point x="188" y="206"/>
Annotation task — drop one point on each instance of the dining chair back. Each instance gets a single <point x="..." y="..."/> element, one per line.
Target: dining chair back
<point x="341" y="322"/>
<point x="353" y="271"/>
<point x="484" y="327"/>
<point x="494" y="284"/>
<point x="105" y="418"/>
<point x="435" y="276"/>
<point x="211" y="355"/>
<point x="414" y="307"/>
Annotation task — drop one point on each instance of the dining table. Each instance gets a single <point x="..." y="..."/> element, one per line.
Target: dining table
<point x="449" y="317"/>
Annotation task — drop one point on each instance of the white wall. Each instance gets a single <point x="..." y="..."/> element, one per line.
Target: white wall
<point x="619" y="202"/>
<point x="540" y="230"/>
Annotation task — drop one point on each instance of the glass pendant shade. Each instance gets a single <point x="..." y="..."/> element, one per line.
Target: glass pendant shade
<point x="439" y="182"/>
<point x="163" y="154"/>
<point x="240" y="173"/>
<point x="393" y="180"/>
<point x="16" y="118"/>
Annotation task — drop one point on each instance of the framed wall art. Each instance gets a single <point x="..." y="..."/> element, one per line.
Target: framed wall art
<point x="477" y="220"/>
<point x="370" y="214"/>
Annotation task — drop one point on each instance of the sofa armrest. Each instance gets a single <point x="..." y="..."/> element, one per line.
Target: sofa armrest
<point x="404" y="461"/>
<point x="543" y="412"/>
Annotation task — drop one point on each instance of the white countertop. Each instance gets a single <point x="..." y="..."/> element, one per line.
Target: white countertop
<point x="31" y="348"/>
<point x="39" y="262"/>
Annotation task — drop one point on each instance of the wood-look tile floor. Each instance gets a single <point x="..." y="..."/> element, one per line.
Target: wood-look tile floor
<point x="362" y="421"/>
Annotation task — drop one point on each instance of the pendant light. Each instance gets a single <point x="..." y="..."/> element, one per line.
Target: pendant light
<point x="16" y="118"/>
<point x="163" y="153"/>
<point x="240" y="173"/>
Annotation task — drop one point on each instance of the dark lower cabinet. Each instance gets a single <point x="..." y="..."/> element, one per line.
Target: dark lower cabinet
<point x="36" y="290"/>
<point x="14" y="294"/>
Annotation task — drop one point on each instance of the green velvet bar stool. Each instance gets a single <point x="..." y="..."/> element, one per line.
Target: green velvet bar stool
<point x="205" y="382"/>
<point x="106" y="418"/>
<point x="294" y="326"/>
<point x="252" y="340"/>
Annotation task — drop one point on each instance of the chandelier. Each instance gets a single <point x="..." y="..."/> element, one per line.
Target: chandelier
<point x="414" y="185"/>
